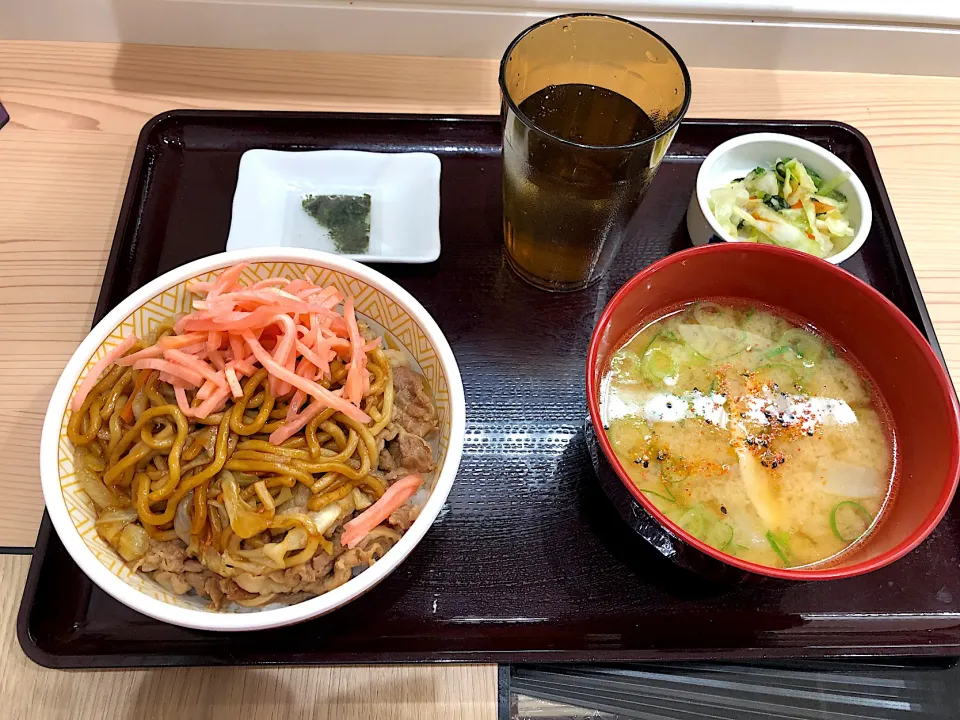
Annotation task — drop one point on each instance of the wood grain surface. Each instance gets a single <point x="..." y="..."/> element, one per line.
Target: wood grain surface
<point x="76" y="110"/>
<point x="417" y="692"/>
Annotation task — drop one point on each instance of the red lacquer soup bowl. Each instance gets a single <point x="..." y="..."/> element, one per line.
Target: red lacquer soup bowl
<point x="859" y="319"/>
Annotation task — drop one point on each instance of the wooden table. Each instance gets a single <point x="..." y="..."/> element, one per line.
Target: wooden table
<point x="76" y="111"/>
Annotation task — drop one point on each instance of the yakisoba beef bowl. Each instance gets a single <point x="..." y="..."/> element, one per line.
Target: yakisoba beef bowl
<point x="253" y="439"/>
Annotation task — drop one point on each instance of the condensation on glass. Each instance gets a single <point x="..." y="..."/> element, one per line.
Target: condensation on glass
<point x="590" y="106"/>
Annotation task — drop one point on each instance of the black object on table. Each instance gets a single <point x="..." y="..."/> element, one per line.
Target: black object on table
<point x="530" y="561"/>
<point x="797" y="690"/>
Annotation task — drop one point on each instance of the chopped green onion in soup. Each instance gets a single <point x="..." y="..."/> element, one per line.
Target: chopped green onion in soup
<point x="750" y="432"/>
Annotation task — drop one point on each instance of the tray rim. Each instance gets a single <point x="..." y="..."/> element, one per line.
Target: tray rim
<point x="166" y="116"/>
<point x="133" y="194"/>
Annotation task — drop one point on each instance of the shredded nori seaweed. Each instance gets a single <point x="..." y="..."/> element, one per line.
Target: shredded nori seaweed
<point x="347" y="217"/>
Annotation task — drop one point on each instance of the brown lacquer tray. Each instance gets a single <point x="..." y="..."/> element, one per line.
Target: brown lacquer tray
<point x="530" y="561"/>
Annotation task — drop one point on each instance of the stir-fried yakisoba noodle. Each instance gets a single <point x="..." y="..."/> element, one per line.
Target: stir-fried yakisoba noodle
<point x="261" y="448"/>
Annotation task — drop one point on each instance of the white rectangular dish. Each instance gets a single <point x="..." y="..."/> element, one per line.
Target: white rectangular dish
<point x="404" y="190"/>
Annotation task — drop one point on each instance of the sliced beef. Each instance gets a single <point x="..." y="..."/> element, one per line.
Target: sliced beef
<point x="386" y="462"/>
<point x="169" y="557"/>
<point x="343" y="570"/>
<point x="402" y="518"/>
<point x="171" y="581"/>
<point x="387" y="434"/>
<point x="407" y="453"/>
<point x="299" y="577"/>
<point x="389" y="477"/>
<point x="413" y="409"/>
<point x="410" y="452"/>
<point x="233" y="592"/>
<point x="207" y="585"/>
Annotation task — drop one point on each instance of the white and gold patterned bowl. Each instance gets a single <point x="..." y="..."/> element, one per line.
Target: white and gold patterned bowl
<point x="378" y="299"/>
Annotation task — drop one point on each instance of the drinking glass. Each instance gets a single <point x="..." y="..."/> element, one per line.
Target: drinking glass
<point x="590" y="104"/>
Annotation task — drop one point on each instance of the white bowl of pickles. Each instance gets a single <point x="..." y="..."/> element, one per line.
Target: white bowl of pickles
<point x="777" y="189"/>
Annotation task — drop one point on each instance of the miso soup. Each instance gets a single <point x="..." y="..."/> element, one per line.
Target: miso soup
<point x="755" y="434"/>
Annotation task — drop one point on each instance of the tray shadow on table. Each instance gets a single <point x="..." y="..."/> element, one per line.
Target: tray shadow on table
<point x="216" y="690"/>
<point x="352" y="692"/>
